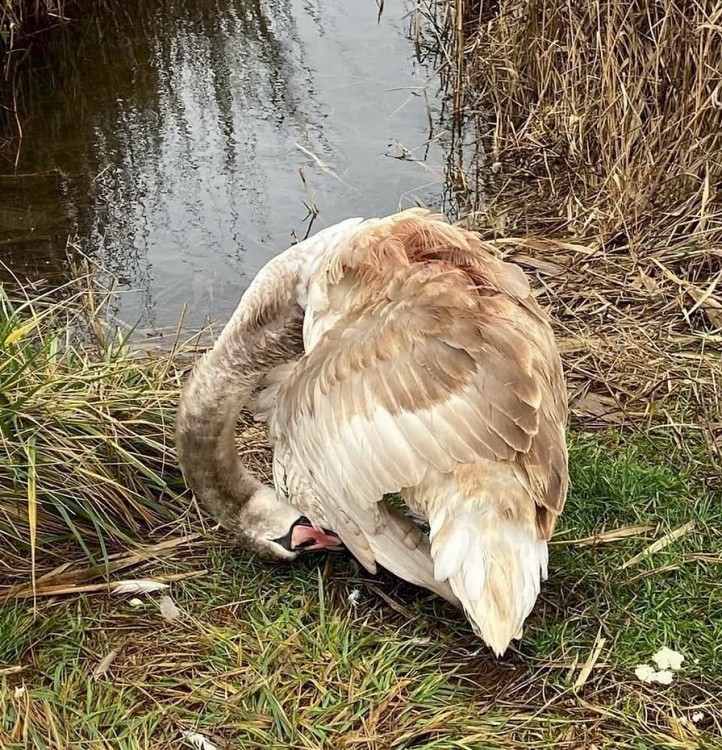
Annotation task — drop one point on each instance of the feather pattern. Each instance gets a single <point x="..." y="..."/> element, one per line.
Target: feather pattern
<point x="428" y="369"/>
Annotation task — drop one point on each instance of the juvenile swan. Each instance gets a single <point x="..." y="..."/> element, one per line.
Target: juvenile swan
<point x="394" y="355"/>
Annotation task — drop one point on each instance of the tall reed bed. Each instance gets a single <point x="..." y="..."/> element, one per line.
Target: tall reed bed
<point x="599" y="125"/>
<point x="613" y="109"/>
<point x="86" y="425"/>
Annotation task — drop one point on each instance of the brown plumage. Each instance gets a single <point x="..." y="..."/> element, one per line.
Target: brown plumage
<point x="428" y="370"/>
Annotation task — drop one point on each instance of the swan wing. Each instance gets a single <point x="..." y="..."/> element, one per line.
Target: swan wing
<point x="426" y="354"/>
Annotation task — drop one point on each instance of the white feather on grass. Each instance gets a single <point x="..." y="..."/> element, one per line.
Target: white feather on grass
<point x="199" y="741"/>
<point x="137" y="586"/>
<point x="104" y="664"/>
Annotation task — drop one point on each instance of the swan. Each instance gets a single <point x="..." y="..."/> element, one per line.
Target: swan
<point x="392" y="355"/>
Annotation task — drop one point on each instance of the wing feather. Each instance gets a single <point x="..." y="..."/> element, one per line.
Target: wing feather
<point x="422" y="366"/>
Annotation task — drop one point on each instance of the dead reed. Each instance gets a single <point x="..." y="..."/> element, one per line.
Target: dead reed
<point x="86" y="455"/>
<point x="19" y="17"/>
<point x="599" y="127"/>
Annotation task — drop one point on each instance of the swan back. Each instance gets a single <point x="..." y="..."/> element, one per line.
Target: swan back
<point x="429" y="370"/>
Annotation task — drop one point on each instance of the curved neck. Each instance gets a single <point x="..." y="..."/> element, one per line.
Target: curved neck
<point x="266" y="330"/>
<point x="220" y="386"/>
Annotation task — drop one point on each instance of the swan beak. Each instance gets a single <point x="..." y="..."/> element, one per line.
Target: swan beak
<point x="307" y="539"/>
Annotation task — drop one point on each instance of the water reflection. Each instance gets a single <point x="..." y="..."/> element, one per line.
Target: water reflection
<point x="170" y="138"/>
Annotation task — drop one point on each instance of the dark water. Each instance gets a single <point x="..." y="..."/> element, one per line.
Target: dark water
<point x="173" y="139"/>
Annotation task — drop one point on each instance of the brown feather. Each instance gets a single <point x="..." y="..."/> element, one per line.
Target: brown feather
<point x="429" y="359"/>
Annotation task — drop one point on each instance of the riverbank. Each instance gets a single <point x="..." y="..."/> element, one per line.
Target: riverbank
<point x="319" y="655"/>
<point x="315" y="654"/>
<point x="598" y="133"/>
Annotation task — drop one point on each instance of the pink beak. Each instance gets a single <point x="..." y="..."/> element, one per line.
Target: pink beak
<point x="307" y="538"/>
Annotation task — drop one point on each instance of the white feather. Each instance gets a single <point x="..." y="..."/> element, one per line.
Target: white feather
<point x="494" y="564"/>
<point x="169" y="610"/>
<point x="139" y="586"/>
<point x="450" y="547"/>
<point x="199" y="741"/>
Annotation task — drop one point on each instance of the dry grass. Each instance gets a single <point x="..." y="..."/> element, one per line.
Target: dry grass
<point x="19" y="16"/>
<point x="279" y="656"/>
<point x="599" y="134"/>
<point x="86" y="457"/>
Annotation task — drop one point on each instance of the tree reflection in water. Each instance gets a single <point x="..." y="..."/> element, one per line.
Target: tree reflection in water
<point x="167" y="136"/>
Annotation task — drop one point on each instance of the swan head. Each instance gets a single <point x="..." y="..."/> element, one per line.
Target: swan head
<point x="275" y="530"/>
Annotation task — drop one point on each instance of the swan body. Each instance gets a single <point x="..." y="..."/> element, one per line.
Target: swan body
<point x="420" y="365"/>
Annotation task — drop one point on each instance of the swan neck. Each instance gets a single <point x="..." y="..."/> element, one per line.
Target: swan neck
<point x="219" y="388"/>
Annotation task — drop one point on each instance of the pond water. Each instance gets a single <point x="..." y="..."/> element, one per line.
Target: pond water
<point x="182" y="142"/>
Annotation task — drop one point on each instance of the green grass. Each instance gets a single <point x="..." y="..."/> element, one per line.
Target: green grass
<point x="86" y="459"/>
<point x="277" y="656"/>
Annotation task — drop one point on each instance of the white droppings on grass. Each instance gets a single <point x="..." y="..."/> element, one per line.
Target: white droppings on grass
<point x="19" y="691"/>
<point x="667" y="661"/>
<point x="697" y="716"/>
<point x="666" y="658"/>
<point x="663" y="677"/>
<point x="648" y="674"/>
<point x="644" y="672"/>
<point x="199" y="741"/>
<point x="353" y="597"/>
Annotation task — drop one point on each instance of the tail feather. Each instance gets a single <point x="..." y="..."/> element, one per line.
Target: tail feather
<point x="494" y="564"/>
